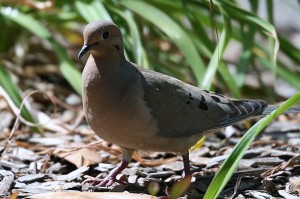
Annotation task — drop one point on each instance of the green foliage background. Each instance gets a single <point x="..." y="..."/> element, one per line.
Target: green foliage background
<point x="173" y="37"/>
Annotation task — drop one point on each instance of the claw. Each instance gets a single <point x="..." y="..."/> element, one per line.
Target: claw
<point x="110" y="179"/>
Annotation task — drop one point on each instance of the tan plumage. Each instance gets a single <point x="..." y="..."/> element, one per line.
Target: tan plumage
<point x="142" y="109"/>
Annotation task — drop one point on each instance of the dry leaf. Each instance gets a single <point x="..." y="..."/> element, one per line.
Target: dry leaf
<point x="80" y="156"/>
<point x="152" y="163"/>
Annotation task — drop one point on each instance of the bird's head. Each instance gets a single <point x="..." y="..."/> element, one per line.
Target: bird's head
<point x="101" y="36"/>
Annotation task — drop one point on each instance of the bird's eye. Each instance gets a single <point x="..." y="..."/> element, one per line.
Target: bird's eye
<point x="105" y="35"/>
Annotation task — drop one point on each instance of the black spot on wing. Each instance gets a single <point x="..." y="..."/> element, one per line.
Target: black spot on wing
<point x="202" y="98"/>
<point x="190" y="96"/>
<point x="217" y="99"/>
<point x="203" y="106"/>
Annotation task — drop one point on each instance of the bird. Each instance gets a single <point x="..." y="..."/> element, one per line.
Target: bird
<point x="140" y="109"/>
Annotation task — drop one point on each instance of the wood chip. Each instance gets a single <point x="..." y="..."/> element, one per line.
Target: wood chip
<point x="163" y="174"/>
<point x="267" y="161"/>
<point x="172" y="166"/>
<point x="25" y="154"/>
<point x="31" y="178"/>
<point x="37" y="187"/>
<point x="286" y="195"/>
<point x="56" y="168"/>
<point x="77" y="173"/>
<point x="7" y="178"/>
<point x="12" y="165"/>
<point x="104" y="167"/>
<point x="260" y="195"/>
<point x="132" y="179"/>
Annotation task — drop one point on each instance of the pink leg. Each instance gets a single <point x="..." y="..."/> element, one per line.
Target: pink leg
<point x="127" y="153"/>
<point x="113" y="174"/>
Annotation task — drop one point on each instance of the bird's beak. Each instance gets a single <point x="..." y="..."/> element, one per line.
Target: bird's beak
<point x="85" y="48"/>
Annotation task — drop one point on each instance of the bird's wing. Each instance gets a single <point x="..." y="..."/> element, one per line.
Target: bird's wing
<point x="182" y="110"/>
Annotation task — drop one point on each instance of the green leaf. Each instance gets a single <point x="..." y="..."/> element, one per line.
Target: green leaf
<point x="229" y="80"/>
<point x="13" y="91"/>
<point x="289" y="49"/>
<point x="92" y="10"/>
<point x="245" y="57"/>
<point x="172" y="30"/>
<point x="215" y="60"/>
<point x="229" y="8"/>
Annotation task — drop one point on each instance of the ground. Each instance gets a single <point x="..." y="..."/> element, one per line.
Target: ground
<point x="69" y="153"/>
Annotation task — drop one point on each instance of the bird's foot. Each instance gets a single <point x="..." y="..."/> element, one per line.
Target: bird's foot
<point x="110" y="179"/>
<point x="103" y="183"/>
<point x="96" y="182"/>
<point x="106" y="182"/>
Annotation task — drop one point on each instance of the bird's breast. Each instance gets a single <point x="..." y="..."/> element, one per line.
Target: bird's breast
<point x="116" y="110"/>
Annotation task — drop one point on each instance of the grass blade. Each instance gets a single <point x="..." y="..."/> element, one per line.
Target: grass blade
<point x="231" y="9"/>
<point x="174" y="32"/>
<point x="289" y="49"/>
<point x="215" y="60"/>
<point x="92" y="10"/>
<point x="229" y="80"/>
<point x="245" y="57"/>
<point x="13" y="91"/>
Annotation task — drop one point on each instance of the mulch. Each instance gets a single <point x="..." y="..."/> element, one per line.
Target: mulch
<point x="68" y="153"/>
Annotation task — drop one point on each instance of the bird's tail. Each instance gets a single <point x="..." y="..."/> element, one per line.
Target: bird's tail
<point x="271" y="108"/>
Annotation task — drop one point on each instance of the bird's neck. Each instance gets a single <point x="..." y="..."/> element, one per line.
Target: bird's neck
<point x="107" y="62"/>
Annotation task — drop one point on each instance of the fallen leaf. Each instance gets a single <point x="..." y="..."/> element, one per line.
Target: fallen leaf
<point x="79" y="156"/>
<point x="152" y="163"/>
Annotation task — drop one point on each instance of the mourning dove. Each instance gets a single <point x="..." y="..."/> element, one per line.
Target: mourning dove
<point x="139" y="109"/>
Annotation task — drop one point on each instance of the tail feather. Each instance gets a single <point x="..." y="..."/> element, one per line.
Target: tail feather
<point x="271" y="108"/>
<point x="244" y="109"/>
